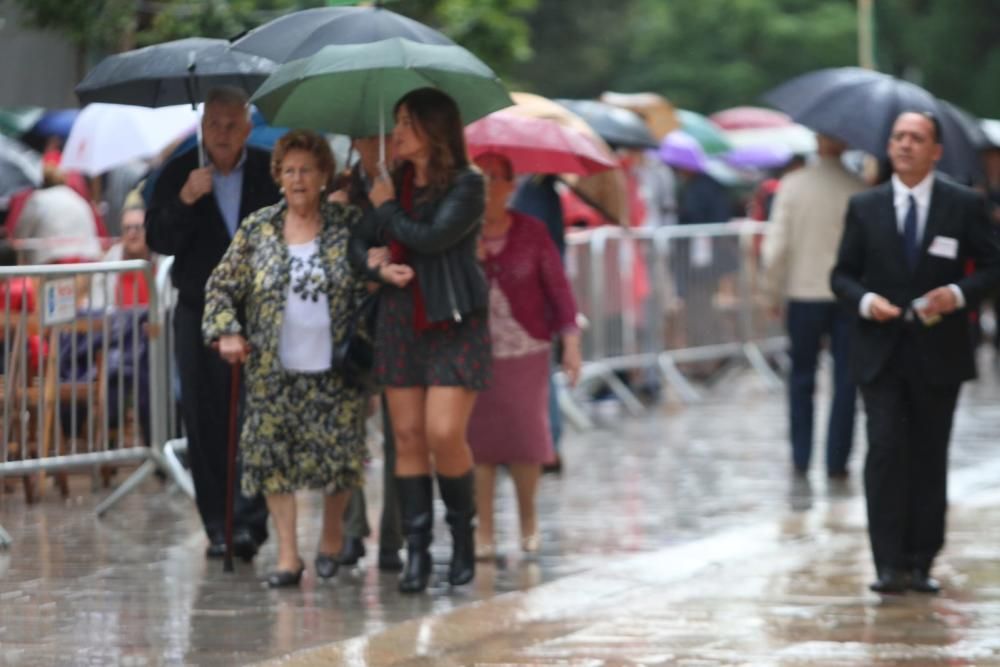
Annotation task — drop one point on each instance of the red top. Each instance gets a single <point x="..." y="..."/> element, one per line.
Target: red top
<point x="398" y="255"/>
<point x="531" y="275"/>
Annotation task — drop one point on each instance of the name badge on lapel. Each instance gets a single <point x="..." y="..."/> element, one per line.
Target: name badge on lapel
<point x="944" y="246"/>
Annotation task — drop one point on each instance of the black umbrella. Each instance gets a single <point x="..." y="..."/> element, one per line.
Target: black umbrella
<point x="177" y="72"/>
<point x="619" y="127"/>
<point x="301" y="34"/>
<point x="859" y="106"/>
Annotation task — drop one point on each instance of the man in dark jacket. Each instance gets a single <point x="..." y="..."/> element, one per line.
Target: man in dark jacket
<point x="901" y="269"/>
<point x="193" y="215"/>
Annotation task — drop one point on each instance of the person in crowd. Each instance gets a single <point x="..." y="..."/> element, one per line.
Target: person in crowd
<point x="193" y="214"/>
<point x="432" y="340"/>
<point x="355" y="188"/>
<point x="287" y="270"/>
<point x="902" y="268"/>
<point x="530" y="302"/>
<point x="799" y="251"/>
<point x="130" y="288"/>
<point x="62" y="220"/>
<point x="536" y="196"/>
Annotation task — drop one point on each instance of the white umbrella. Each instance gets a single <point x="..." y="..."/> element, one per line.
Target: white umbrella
<point x="106" y="136"/>
<point x="796" y="138"/>
<point x="991" y="128"/>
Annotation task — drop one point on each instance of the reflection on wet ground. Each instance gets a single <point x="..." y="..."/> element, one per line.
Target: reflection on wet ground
<point x="679" y="538"/>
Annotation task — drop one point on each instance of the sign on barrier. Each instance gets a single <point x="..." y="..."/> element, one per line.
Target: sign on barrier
<point x="59" y="301"/>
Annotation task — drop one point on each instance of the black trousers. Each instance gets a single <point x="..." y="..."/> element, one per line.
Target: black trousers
<point x="205" y="384"/>
<point x="906" y="470"/>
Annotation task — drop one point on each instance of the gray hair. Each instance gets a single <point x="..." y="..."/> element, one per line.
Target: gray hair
<point x="229" y="96"/>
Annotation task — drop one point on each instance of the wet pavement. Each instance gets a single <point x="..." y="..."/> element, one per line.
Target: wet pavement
<point x="677" y="538"/>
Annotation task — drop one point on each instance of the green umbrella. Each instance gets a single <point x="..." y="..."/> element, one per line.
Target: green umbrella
<point x="351" y="89"/>
<point x="704" y="131"/>
<point x="15" y="121"/>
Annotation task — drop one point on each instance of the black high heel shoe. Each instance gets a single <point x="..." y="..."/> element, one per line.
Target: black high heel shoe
<point x="326" y="565"/>
<point x="285" y="578"/>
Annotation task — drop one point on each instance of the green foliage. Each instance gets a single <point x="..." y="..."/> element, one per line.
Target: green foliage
<point x="947" y="46"/>
<point x="495" y="30"/>
<point x="176" y="19"/>
<point x="89" y="24"/>
<point x="703" y="55"/>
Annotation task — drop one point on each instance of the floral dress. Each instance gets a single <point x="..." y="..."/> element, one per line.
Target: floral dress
<point x="300" y="430"/>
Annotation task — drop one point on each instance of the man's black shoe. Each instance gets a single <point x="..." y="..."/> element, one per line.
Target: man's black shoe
<point x="389" y="560"/>
<point x="215" y="549"/>
<point x="352" y="551"/>
<point x="891" y="582"/>
<point x="244" y="545"/>
<point x="922" y="582"/>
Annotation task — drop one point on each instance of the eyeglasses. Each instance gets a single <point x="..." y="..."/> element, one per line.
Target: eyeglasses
<point x="132" y="228"/>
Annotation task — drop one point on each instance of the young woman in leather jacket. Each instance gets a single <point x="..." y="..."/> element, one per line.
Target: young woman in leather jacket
<point x="432" y="338"/>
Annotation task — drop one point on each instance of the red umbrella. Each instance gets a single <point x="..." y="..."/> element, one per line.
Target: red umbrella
<point x="536" y="145"/>
<point x="749" y="118"/>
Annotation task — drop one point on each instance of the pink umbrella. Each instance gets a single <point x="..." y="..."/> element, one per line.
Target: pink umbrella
<point x="749" y="118"/>
<point x="536" y="145"/>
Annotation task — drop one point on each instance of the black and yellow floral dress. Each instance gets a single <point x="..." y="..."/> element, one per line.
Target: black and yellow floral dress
<point x="300" y="430"/>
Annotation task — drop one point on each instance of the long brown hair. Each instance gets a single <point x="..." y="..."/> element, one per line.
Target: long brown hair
<point x="437" y="118"/>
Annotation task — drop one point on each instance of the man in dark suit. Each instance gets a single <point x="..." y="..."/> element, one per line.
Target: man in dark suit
<point x="193" y="215"/>
<point x="902" y="268"/>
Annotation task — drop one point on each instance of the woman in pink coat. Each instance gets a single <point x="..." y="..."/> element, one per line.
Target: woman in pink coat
<point x="530" y="303"/>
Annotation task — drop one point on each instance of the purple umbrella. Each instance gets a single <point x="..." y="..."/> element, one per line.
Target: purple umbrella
<point x="758" y="157"/>
<point x="681" y="150"/>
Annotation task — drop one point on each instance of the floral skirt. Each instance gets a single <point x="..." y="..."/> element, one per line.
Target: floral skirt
<point x="456" y="356"/>
<point x="309" y="433"/>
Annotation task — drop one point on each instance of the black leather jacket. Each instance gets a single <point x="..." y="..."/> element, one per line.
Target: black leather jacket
<point x="441" y="238"/>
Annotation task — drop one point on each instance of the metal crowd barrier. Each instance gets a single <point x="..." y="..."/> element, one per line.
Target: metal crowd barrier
<point x="83" y="376"/>
<point x="669" y="302"/>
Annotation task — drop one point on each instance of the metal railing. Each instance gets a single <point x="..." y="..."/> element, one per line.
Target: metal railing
<point x="667" y="301"/>
<point x="84" y="371"/>
<point x="660" y="303"/>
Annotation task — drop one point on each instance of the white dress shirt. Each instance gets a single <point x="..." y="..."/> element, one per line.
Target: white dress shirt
<point x="921" y="193"/>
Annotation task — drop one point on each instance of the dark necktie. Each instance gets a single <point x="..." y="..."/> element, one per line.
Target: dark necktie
<point x="911" y="244"/>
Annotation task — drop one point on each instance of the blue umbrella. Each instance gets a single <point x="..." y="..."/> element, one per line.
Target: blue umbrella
<point x="56" y="123"/>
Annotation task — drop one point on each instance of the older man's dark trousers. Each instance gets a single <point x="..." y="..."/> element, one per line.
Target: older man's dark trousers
<point x="205" y="386"/>
<point x="809" y="322"/>
<point x="906" y="470"/>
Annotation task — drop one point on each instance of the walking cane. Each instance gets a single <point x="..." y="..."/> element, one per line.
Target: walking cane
<point x="234" y="405"/>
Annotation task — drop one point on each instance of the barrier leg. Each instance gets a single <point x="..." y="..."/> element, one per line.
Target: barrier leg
<point x="622" y="393"/>
<point x="759" y="363"/>
<point x="570" y="409"/>
<point x="5" y="540"/>
<point x="131" y="484"/>
<point x="180" y="475"/>
<point x="673" y="377"/>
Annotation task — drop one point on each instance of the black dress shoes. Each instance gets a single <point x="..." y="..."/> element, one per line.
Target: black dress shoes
<point x="891" y="582"/>
<point x="285" y="578"/>
<point x="244" y="545"/>
<point x="326" y="565"/>
<point x="352" y="551"/>
<point x="389" y="560"/>
<point x="922" y="582"/>
<point x="215" y="549"/>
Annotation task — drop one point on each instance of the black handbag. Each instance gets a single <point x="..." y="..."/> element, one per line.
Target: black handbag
<point x="354" y="356"/>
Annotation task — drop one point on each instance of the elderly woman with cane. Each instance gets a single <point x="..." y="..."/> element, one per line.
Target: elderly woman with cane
<point x="286" y="272"/>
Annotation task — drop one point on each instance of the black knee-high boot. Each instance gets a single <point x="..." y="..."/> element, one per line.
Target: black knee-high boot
<point x="416" y="495"/>
<point x="458" y="494"/>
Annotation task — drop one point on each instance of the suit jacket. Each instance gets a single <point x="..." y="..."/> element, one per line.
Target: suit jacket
<point x="196" y="235"/>
<point x="871" y="259"/>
